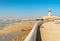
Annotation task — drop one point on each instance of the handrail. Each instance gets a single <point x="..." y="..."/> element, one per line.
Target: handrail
<point x="32" y="35"/>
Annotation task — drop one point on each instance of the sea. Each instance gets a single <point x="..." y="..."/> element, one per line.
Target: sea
<point x="7" y="23"/>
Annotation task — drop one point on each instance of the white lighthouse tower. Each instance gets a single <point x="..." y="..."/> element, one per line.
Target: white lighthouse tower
<point x="49" y="13"/>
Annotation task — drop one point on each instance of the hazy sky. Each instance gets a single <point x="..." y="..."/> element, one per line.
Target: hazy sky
<point x="27" y="8"/>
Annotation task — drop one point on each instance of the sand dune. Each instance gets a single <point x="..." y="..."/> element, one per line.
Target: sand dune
<point x="16" y="29"/>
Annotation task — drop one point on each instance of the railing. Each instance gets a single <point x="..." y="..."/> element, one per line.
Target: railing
<point x="33" y="33"/>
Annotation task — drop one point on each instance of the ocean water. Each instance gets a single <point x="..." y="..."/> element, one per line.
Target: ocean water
<point x="9" y="22"/>
<point x="6" y="23"/>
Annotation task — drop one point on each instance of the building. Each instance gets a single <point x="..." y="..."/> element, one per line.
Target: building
<point x="49" y="17"/>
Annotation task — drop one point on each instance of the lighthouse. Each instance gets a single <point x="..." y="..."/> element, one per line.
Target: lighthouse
<point x="49" y="13"/>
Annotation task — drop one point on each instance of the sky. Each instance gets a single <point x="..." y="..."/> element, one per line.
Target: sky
<point x="28" y="8"/>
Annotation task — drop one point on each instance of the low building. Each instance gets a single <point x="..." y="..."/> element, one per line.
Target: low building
<point x="49" y="17"/>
